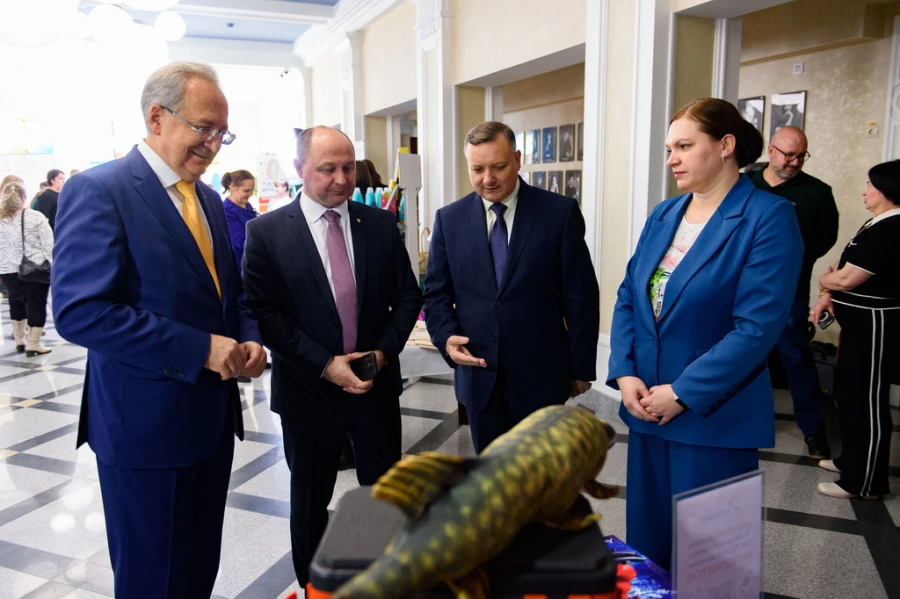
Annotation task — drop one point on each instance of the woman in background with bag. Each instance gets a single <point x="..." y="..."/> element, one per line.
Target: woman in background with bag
<point x="26" y="248"/>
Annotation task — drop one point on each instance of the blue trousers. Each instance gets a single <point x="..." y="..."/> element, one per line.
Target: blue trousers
<point x="800" y="370"/>
<point x="164" y="527"/>
<point x="659" y="469"/>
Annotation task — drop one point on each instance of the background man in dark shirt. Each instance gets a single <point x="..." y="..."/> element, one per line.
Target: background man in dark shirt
<point x="817" y="216"/>
<point x="46" y="202"/>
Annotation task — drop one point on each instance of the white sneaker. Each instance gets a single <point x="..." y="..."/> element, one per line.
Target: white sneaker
<point x="829" y="465"/>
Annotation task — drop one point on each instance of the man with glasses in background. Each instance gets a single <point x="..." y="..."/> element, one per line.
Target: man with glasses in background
<point x="817" y="216"/>
<point x="144" y="277"/>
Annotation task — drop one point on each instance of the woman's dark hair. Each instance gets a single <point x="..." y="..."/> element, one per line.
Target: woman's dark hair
<point x="235" y="178"/>
<point x="53" y="174"/>
<point x="376" y="178"/>
<point x="885" y="177"/>
<point x="363" y="178"/>
<point x="718" y="118"/>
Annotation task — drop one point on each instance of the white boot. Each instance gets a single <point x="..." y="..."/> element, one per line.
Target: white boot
<point x="19" y="335"/>
<point x="33" y="345"/>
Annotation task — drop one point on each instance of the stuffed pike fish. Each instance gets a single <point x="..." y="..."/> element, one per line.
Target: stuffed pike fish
<point x="461" y="512"/>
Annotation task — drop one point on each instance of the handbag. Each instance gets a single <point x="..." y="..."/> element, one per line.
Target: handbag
<point x="29" y="270"/>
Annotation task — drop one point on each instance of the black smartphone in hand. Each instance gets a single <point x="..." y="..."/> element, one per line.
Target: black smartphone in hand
<point x="365" y="368"/>
<point x="825" y="320"/>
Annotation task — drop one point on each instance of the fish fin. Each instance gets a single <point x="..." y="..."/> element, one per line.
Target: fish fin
<point x="599" y="490"/>
<point x="415" y="481"/>
<point x="474" y="585"/>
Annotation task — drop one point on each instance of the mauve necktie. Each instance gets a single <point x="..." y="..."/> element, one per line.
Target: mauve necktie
<point x="342" y="277"/>
<point x="191" y="214"/>
<point x="499" y="241"/>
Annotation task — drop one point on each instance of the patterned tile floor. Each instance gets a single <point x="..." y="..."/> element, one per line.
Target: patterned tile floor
<point x="52" y="535"/>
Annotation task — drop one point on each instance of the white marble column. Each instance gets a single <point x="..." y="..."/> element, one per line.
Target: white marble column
<point x="436" y="106"/>
<point x="351" y="88"/>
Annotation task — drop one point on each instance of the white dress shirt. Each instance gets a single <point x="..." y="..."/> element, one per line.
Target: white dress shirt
<point x="314" y="213"/>
<point x="491" y="216"/>
<point x="169" y="179"/>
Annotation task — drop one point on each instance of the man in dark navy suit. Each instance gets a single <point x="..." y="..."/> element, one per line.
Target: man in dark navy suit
<point x="330" y="281"/>
<point x="511" y="297"/>
<point x="145" y="279"/>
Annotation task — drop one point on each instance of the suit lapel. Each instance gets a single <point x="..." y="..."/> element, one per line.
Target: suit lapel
<point x="526" y="210"/>
<point x="308" y="247"/>
<point x="151" y="190"/>
<point x="358" y="227"/>
<point x="715" y="234"/>
<point x="662" y="230"/>
<point x="477" y="226"/>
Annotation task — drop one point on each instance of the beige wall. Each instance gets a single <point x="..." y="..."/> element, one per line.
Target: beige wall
<point x="389" y="59"/>
<point x="617" y="145"/>
<point x="804" y="25"/>
<point x="694" y="49"/>
<point x="470" y="112"/>
<point x="376" y="144"/>
<point x="326" y="90"/>
<point x="491" y="36"/>
<point x="846" y="89"/>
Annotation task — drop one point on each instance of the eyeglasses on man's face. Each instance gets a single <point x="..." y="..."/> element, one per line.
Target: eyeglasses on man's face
<point x="792" y="157"/>
<point x="205" y="134"/>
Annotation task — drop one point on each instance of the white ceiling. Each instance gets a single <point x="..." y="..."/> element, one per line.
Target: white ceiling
<point x="282" y="21"/>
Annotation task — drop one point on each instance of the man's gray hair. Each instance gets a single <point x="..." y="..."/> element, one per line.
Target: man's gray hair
<point x="304" y="141"/>
<point x="166" y="85"/>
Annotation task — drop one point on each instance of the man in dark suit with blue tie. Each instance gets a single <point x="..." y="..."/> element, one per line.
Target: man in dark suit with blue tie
<point x="144" y="278"/>
<point x="330" y="282"/>
<point x="511" y="296"/>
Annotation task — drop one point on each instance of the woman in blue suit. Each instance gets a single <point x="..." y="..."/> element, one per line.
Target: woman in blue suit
<point x="704" y="299"/>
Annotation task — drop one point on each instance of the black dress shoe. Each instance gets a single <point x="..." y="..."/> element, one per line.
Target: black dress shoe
<point x="817" y="444"/>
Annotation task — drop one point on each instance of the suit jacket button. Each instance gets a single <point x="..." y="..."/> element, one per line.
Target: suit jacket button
<point x="493" y="337"/>
<point x="498" y="304"/>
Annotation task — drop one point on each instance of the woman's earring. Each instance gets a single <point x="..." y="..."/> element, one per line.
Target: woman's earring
<point x="723" y="157"/>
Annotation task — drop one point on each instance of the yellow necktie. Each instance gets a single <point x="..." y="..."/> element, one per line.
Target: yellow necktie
<point x="191" y="213"/>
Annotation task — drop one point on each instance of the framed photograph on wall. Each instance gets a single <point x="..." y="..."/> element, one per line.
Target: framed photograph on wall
<point x="788" y="110"/>
<point x="579" y="155"/>
<point x="753" y="111"/>
<point x="573" y="185"/>
<point x="548" y="135"/>
<point x="531" y="153"/>
<point x="520" y="142"/>
<point x="566" y="143"/>
<point x="539" y="179"/>
<point x="555" y="182"/>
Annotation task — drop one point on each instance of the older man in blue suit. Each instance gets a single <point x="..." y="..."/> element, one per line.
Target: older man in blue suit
<point x="511" y="296"/>
<point x="145" y="279"/>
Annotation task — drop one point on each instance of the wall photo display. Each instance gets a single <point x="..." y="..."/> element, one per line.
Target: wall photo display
<point x="539" y="179"/>
<point x="531" y="153"/>
<point x="548" y="135"/>
<point x="555" y="182"/>
<point x="580" y="153"/>
<point x="788" y="110"/>
<point x="753" y="110"/>
<point x="573" y="185"/>
<point x="566" y="143"/>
